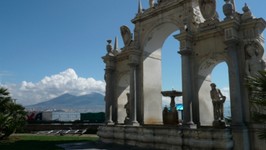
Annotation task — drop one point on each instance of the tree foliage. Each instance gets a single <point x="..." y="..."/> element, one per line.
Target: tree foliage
<point x="257" y="95"/>
<point x="12" y="115"/>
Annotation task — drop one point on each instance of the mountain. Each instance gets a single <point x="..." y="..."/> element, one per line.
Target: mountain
<point x="93" y="102"/>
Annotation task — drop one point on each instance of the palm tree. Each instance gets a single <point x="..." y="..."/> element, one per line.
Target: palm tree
<point x="257" y="95"/>
<point x="12" y="115"/>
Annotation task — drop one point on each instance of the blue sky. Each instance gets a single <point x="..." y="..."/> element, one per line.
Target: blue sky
<point x="51" y="44"/>
<point x="43" y="37"/>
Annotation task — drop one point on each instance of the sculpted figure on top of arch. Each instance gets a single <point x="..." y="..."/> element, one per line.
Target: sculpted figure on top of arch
<point x="126" y="35"/>
<point x="254" y="62"/>
<point x="208" y="9"/>
<point x="151" y="2"/>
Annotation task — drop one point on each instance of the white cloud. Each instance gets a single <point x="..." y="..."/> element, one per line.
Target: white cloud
<point x="49" y="87"/>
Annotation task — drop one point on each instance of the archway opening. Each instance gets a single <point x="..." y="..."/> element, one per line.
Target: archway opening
<point x="171" y="69"/>
<point x="220" y="78"/>
<point x="152" y="69"/>
<point x="217" y="73"/>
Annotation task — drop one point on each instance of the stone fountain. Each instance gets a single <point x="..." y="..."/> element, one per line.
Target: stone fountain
<point x="170" y="117"/>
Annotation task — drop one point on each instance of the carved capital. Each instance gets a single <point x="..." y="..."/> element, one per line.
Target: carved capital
<point x="133" y="60"/>
<point x="134" y="57"/>
<point x="231" y="30"/>
<point x="230" y="34"/>
<point x="185" y="52"/>
<point x="185" y="41"/>
<point x="253" y="29"/>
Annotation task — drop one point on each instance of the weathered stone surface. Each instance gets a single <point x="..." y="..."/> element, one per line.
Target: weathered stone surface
<point x="133" y="75"/>
<point x="171" y="137"/>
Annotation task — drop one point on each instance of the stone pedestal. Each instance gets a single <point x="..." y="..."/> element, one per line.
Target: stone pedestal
<point x="219" y="123"/>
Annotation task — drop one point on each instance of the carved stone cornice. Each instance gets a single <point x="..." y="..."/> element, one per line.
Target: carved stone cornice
<point x="108" y="58"/>
<point x="158" y="10"/>
<point x="122" y="56"/>
<point x="109" y="61"/>
<point x="258" y="22"/>
<point x="228" y="28"/>
<point x="233" y="23"/>
<point x="126" y="52"/>
<point x="253" y="29"/>
<point x="208" y="25"/>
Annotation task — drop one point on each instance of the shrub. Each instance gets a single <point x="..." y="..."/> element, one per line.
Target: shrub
<point x="12" y="115"/>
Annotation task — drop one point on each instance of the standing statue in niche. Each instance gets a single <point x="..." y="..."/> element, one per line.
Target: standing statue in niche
<point x="218" y="100"/>
<point x="254" y="63"/>
<point x="208" y="9"/>
<point x="127" y="107"/>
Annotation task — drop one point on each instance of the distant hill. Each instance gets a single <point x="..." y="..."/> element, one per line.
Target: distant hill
<point x="93" y="102"/>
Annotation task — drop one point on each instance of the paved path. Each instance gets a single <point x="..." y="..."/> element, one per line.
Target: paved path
<point x="91" y="145"/>
<point x="96" y="146"/>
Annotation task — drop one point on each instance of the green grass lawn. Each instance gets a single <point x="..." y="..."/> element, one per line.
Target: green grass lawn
<point x="40" y="142"/>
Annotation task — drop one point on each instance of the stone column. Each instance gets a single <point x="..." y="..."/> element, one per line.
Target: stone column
<point x="239" y="129"/>
<point x="234" y="81"/>
<point x="109" y="93"/>
<point x="108" y="96"/>
<point x="133" y="90"/>
<point x="187" y="88"/>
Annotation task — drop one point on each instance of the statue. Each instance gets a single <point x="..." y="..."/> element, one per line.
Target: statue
<point x="127" y="107"/>
<point x="165" y="115"/>
<point x="208" y="9"/>
<point x="247" y="13"/>
<point x="151" y="2"/>
<point x="126" y="35"/>
<point x="229" y="9"/>
<point x="254" y="63"/>
<point x="218" y="100"/>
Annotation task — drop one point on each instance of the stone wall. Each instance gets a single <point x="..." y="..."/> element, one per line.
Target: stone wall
<point x="167" y="137"/>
